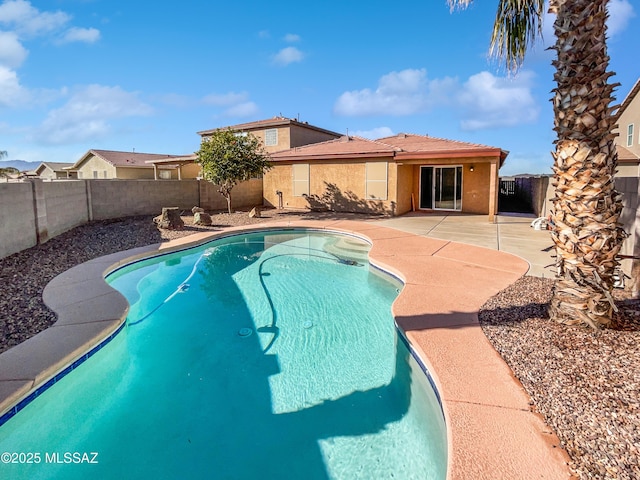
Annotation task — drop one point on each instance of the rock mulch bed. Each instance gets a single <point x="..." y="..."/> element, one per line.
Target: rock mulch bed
<point x="585" y="384"/>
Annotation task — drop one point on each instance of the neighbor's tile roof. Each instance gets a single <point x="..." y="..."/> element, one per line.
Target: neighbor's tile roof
<point x="269" y="122"/>
<point x="343" y="147"/>
<point x="125" y="159"/>
<point x="625" y="155"/>
<point x="55" y="166"/>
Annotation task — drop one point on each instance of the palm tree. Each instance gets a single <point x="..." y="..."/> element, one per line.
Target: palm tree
<point x="586" y="207"/>
<point x="3" y="153"/>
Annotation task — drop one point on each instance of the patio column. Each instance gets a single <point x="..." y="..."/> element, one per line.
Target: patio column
<point x="155" y="171"/>
<point x="493" y="191"/>
<point x="179" y="171"/>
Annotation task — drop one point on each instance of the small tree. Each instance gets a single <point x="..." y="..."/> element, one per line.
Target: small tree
<point x="228" y="157"/>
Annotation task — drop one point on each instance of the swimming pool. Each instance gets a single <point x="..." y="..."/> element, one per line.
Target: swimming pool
<point x="264" y="355"/>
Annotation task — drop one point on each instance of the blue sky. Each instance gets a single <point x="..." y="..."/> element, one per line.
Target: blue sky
<point x="124" y="75"/>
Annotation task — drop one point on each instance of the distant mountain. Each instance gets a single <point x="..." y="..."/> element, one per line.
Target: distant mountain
<point x="21" y="165"/>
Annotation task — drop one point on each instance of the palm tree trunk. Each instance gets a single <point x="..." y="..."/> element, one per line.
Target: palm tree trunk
<point x="586" y="207"/>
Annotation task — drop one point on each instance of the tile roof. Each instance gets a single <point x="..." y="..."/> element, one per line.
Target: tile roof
<point x="125" y="159"/>
<point x="343" y="147"/>
<point x="398" y="146"/>
<point x="423" y="143"/>
<point x="625" y="155"/>
<point x="55" y="166"/>
<point x="269" y="122"/>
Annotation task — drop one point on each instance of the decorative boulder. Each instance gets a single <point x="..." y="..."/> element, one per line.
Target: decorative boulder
<point x="201" y="218"/>
<point x="170" y="219"/>
<point x="195" y="210"/>
<point x="255" y="212"/>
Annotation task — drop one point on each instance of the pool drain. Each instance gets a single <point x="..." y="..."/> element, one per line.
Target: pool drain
<point x="245" y="332"/>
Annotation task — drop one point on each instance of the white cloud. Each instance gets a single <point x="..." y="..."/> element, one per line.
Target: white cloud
<point x="28" y="20"/>
<point x="235" y="104"/>
<point x="11" y="92"/>
<point x="87" y="114"/>
<point x="241" y="110"/>
<point x="378" y="132"/>
<point x="483" y="101"/>
<point x="620" y="12"/>
<point x="399" y="93"/>
<point x="225" y="99"/>
<point x="12" y="53"/>
<point x="288" y="55"/>
<point x="488" y="101"/>
<point x="291" y="38"/>
<point x="86" y="35"/>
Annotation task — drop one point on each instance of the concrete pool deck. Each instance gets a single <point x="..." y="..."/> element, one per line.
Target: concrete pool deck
<point x="492" y="432"/>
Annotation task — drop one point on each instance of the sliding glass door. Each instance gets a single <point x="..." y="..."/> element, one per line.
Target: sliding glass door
<point x="441" y="188"/>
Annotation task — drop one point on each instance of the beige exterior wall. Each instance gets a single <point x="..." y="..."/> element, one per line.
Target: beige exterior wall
<point x="300" y="136"/>
<point x="137" y="173"/>
<point x="335" y="186"/>
<point x="631" y="116"/>
<point x="190" y="170"/>
<point x="95" y="164"/>
<point x="476" y="185"/>
<point x="284" y="138"/>
<point x="342" y="186"/>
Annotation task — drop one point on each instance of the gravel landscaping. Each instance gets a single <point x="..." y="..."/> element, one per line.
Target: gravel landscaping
<point x="585" y="384"/>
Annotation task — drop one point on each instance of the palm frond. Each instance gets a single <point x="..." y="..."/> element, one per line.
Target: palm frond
<point x="517" y="25"/>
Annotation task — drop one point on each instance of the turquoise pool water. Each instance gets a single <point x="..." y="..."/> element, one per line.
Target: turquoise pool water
<point x="268" y="355"/>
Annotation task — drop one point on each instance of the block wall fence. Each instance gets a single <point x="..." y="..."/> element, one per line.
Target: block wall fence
<point x="34" y="211"/>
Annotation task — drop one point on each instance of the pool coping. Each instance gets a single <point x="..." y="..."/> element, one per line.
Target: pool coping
<point x="491" y="430"/>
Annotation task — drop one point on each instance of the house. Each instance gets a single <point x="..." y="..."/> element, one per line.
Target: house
<point x="276" y="134"/>
<point x="281" y="133"/>
<point x="628" y="180"/>
<point x="55" y="171"/>
<point x="109" y="164"/>
<point x="391" y="175"/>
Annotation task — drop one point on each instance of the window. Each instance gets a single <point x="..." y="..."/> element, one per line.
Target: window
<point x="376" y="180"/>
<point x="95" y="174"/>
<point x="271" y="137"/>
<point x="165" y="174"/>
<point x="630" y="135"/>
<point x="300" y="179"/>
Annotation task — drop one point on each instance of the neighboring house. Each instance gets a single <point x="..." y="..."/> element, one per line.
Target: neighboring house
<point x="281" y="133"/>
<point x="627" y="178"/>
<point x="109" y="164"/>
<point x="391" y="175"/>
<point x="56" y="170"/>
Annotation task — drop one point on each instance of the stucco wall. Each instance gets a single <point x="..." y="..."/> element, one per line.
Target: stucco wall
<point x="476" y="185"/>
<point x="337" y="187"/>
<point x="303" y="136"/>
<point x="93" y="163"/>
<point x="631" y="115"/>
<point x="134" y="173"/>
